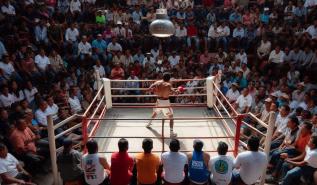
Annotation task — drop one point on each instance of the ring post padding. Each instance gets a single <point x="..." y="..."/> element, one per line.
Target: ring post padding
<point x="107" y="92"/>
<point x="52" y="146"/>
<point x="210" y="91"/>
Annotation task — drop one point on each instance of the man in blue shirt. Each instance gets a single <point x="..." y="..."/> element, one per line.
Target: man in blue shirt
<point x="101" y="47"/>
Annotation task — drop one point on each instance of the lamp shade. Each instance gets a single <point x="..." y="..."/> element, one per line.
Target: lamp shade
<point x="162" y="26"/>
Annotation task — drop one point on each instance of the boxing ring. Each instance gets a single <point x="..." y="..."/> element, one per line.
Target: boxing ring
<point x="211" y="121"/>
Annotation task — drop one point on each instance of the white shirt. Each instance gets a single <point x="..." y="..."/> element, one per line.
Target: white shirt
<point x="276" y="57"/>
<point x="242" y="57"/>
<point x="20" y="96"/>
<point x="252" y="165"/>
<point x="120" y="31"/>
<point x="42" y="62"/>
<point x="281" y="123"/>
<point x="114" y="47"/>
<point x="311" y="157"/>
<point x="8" y="68"/>
<point x="173" y="166"/>
<point x="180" y="32"/>
<point x="221" y="169"/>
<point x="75" y="6"/>
<point x="173" y="60"/>
<point x="84" y="48"/>
<point x="212" y="32"/>
<point x="6" y="101"/>
<point x="29" y="94"/>
<point x="223" y="31"/>
<point x="41" y="116"/>
<point x="93" y="170"/>
<point x="53" y="110"/>
<point x="74" y="104"/>
<point x="10" y="10"/>
<point x="312" y="30"/>
<point x="8" y="166"/>
<point x="146" y="60"/>
<point x="232" y="96"/>
<point x="244" y="101"/>
<point x="71" y="34"/>
<point x="101" y="70"/>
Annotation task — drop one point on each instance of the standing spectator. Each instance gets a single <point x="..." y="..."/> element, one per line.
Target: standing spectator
<point x="251" y="164"/>
<point x="147" y="164"/>
<point x="221" y="166"/>
<point x="198" y="164"/>
<point x="121" y="164"/>
<point x="174" y="164"/>
<point x="95" y="168"/>
<point x="68" y="163"/>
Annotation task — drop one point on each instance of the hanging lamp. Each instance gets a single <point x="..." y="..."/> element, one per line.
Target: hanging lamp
<point x="162" y="26"/>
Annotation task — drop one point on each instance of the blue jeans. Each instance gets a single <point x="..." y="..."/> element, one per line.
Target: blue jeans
<point x="293" y="176"/>
<point x="236" y="179"/>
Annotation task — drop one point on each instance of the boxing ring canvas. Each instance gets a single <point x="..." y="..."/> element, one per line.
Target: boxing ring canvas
<point x="131" y="129"/>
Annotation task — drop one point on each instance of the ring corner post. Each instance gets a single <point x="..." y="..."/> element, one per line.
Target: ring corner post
<point x="84" y="133"/>
<point x="107" y="92"/>
<point x="52" y="147"/>
<point x="237" y="135"/>
<point x="210" y="91"/>
<point x="268" y="141"/>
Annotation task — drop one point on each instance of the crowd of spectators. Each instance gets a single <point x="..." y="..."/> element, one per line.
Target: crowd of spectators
<point x="171" y="168"/>
<point x="50" y="51"/>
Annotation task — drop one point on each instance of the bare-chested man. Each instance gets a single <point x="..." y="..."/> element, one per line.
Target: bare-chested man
<point x="163" y="89"/>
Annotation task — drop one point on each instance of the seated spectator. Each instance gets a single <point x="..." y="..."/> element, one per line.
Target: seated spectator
<point x="52" y="108"/>
<point x="147" y="164"/>
<point x="74" y="101"/>
<point x="68" y="163"/>
<point x="304" y="165"/>
<point x="6" y="98"/>
<point x="41" y="113"/>
<point x="221" y="166"/>
<point x="42" y="61"/>
<point x="244" y="101"/>
<point x="174" y="164"/>
<point x="250" y="164"/>
<point x="23" y="143"/>
<point x="121" y="164"/>
<point x="7" y="67"/>
<point x="280" y="126"/>
<point x="198" y="164"/>
<point x="96" y="168"/>
<point x="11" y="171"/>
<point x="84" y="48"/>
<point x="233" y="93"/>
<point x="16" y="91"/>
